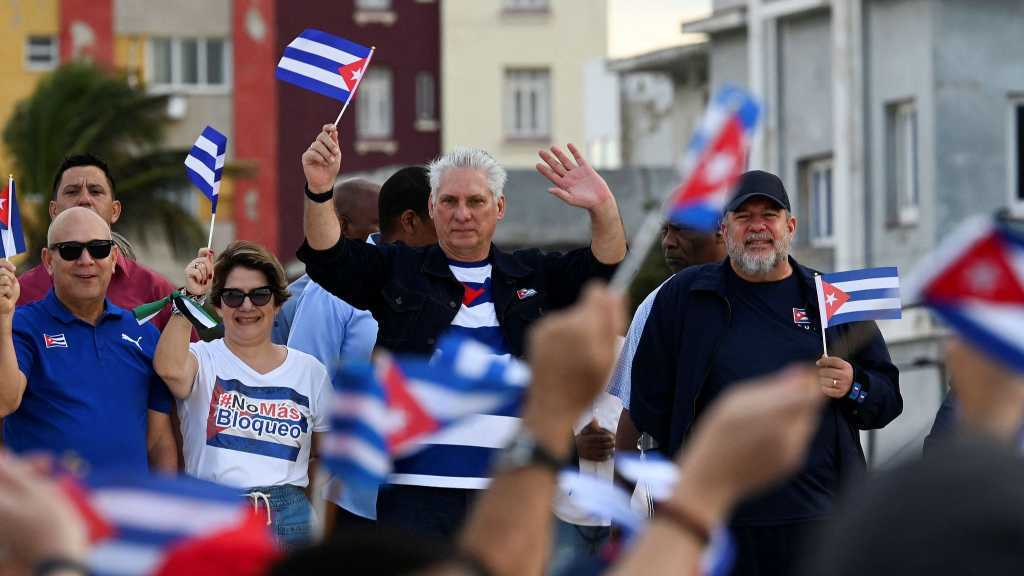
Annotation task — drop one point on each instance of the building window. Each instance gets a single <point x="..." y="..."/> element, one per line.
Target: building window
<point x="374" y="117"/>
<point x="426" y="101"/>
<point x="1017" y="157"/>
<point x="820" y="207"/>
<point x="41" y="52"/>
<point x="902" y="173"/>
<point x="188" y="64"/>
<point x="527" y="104"/>
<point x="525" y="5"/>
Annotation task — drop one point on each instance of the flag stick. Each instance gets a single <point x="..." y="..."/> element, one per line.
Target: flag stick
<point x="642" y="242"/>
<point x="822" y="313"/>
<point x="213" y="218"/>
<point x="356" y="87"/>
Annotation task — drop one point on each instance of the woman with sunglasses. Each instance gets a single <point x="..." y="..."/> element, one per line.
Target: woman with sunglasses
<point x="248" y="408"/>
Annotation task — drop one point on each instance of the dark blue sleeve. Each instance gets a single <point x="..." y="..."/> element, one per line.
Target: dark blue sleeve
<point x="945" y="422"/>
<point x="654" y="370"/>
<point x="876" y="380"/>
<point x="159" y="396"/>
<point x="568" y="272"/>
<point x="24" y="348"/>
<point x="351" y="270"/>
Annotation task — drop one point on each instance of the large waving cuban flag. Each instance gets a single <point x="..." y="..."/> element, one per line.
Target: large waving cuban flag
<point x="868" y="294"/>
<point x="323" y="63"/>
<point x="975" y="282"/>
<point x="387" y="410"/>
<point x="12" y="238"/>
<point x="205" y="163"/>
<point x="715" y="158"/>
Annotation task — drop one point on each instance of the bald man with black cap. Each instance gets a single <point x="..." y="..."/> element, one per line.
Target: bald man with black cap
<point x="714" y="325"/>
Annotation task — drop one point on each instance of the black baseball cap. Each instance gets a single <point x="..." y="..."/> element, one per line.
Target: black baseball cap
<point x="759" y="183"/>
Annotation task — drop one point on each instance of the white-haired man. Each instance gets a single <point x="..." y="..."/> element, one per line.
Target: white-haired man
<point x="462" y="284"/>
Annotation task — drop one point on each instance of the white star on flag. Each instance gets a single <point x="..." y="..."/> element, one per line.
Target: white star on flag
<point x="719" y="168"/>
<point x="830" y="299"/>
<point x="356" y="75"/>
<point x="2" y="200"/>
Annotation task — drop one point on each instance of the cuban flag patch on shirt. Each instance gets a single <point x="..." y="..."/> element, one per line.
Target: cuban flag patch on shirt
<point x="266" y="420"/>
<point x="800" y="318"/>
<point x="476" y="318"/>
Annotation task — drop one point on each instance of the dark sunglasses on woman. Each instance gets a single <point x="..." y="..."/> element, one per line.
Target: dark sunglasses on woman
<point x="71" y="251"/>
<point x="233" y="297"/>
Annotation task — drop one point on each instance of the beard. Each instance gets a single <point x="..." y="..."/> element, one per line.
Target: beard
<point x="758" y="264"/>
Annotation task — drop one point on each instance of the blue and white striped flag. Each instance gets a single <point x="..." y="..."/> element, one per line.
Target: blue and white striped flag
<point x="12" y="238"/>
<point x="868" y="294"/>
<point x="389" y="409"/>
<point x="205" y="163"/>
<point x="324" y="63"/>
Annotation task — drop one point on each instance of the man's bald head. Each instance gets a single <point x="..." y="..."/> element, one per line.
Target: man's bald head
<point x="74" y="221"/>
<point x="355" y="204"/>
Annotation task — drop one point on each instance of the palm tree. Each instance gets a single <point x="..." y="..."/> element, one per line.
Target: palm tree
<point x="81" y="108"/>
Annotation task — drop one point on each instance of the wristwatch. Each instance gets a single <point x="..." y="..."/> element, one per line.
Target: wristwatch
<point x="524" y="451"/>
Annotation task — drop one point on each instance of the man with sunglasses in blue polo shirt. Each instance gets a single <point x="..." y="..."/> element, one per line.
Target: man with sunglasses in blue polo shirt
<point x="76" y="371"/>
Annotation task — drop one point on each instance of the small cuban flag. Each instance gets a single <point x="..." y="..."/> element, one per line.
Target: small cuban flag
<point x="205" y="163"/>
<point x="868" y="294"/>
<point x="324" y="63"/>
<point x="10" y="222"/>
<point x="974" y="281"/>
<point x="715" y="158"/>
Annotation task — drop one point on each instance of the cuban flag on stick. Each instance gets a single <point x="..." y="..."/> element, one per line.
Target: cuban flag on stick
<point x="10" y="222"/>
<point x="857" y="295"/>
<point x="386" y="410"/>
<point x="715" y="158"/>
<point x="326" y="64"/>
<point x="205" y="167"/>
<point x="975" y="282"/>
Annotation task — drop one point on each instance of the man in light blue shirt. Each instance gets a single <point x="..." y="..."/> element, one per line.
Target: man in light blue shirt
<point x="350" y="336"/>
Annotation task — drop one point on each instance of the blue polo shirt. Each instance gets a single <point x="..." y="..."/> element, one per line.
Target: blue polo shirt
<point x="89" y="387"/>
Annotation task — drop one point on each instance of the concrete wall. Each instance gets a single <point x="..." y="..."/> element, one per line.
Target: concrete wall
<point x="805" y="119"/>
<point x="728" y="59"/>
<point x="479" y="41"/>
<point x="900" y="43"/>
<point x="976" y="73"/>
<point x="178" y="18"/>
<point x="648" y="132"/>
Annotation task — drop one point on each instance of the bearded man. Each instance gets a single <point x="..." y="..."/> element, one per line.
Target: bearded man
<point x="756" y="312"/>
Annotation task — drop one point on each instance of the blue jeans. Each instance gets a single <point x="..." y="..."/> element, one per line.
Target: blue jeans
<point x="574" y="543"/>
<point x="291" y="514"/>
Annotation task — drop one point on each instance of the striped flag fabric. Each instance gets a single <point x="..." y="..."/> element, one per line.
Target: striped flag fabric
<point x="974" y="281"/>
<point x="392" y="407"/>
<point x="11" y="233"/>
<point x="857" y="295"/>
<point x="324" y="63"/>
<point x="205" y="163"/>
<point x="715" y="158"/>
<point x="140" y="523"/>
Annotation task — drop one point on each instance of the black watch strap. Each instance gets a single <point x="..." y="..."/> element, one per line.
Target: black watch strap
<point x="321" y="197"/>
<point x="54" y="564"/>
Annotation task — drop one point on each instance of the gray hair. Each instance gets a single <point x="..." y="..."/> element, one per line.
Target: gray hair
<point x="473" y="158"/>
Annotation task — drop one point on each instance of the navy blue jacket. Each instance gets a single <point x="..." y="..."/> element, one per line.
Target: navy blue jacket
<point x="414" y="296"/>
<point x="691" y="314"/>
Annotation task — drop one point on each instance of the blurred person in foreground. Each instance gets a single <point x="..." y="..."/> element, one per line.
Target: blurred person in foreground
<point x="76" y="373"/>
<point x="251" y="411"/>
<point x="957" y="511"/>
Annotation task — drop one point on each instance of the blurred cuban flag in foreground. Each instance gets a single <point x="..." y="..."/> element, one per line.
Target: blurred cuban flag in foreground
<point x="11" y="234"/>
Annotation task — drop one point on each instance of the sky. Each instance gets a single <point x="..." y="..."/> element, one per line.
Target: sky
<point x="637" y="26"/>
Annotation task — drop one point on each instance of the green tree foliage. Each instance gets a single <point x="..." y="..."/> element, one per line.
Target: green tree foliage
<point x="81" y="108"/>
<point x="653" y="272"/>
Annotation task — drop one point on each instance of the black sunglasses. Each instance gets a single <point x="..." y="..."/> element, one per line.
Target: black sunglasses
<point x="233" y="297"/>
<point x="71" y="251"/>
